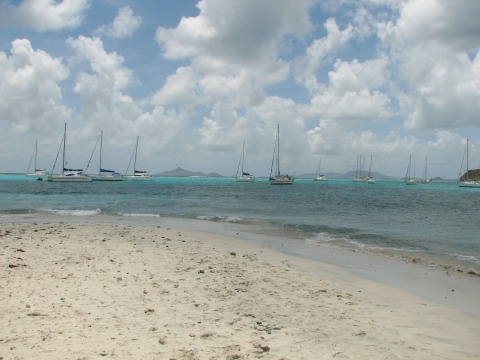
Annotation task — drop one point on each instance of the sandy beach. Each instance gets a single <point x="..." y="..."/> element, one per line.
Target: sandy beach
<point x="90" y="291"/>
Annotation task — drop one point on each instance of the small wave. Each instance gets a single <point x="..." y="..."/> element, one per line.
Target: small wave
<point x="228" y="219"/>
<point x="324" y="237"/>
<point x="469" y="258"/>
<point x="17" y="211"/>
<point x="140" y="215"/>
<point x="73" y="212"/>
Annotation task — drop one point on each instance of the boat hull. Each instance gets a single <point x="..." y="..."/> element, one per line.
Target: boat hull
<point x="106" y="178"/>
<point x="67" y="178"/>
<point x="281" y="180"/>
<point x="245" y="179"/>
<point x="469" y="184"/>
<point x="139" y="178"/>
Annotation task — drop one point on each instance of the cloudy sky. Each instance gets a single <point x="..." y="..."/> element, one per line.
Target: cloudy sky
<point x="194" y="79"/>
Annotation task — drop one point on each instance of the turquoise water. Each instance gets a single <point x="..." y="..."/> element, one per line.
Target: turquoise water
<point x="437" y="222"/>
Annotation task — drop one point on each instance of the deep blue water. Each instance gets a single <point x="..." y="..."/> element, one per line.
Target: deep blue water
<point x="435" y="220"/>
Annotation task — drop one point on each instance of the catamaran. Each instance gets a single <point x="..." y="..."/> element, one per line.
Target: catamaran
<point x="464" y="181"/>
<point x="68" y="175"/>
<point x="408" y="179"/>
<point x="318" y="175"/>
<point x="104" y="174"/>
<point x="245" y="176"/>
<point x="277" y="178"/>
<point x="38" y="173"/>
<point x="138" y="174"/>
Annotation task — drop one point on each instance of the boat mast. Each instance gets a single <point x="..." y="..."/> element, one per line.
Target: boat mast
<point x="407" y="176"/>
<point x="135" y="160"/>
<point x="100" y="163"/>
<point x="243" y="155"/>
<point x="370" y="168"/>
<point x="278" y="149"/>
<point x="35" y="160"/>
<point x="467" y="160"/>
<point x="64" y="141"/>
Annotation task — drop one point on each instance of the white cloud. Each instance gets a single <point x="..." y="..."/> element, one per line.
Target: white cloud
<point x="30" y="94"/>
<point x="43" y="15"/>
<point x="242" y="32"/>
<point x="102" y="93"/>
<point x="233" y="49"/>
<point x="437" y="73"/>
<point x="356" y="91"/>
<point x="307" y="69"/>
<point x="342" y="78"/>
<point x="123" y="26"/>
<point x="450" y="23"/>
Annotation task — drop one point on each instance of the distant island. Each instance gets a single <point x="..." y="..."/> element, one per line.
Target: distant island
<point x="473" y="174"/>
<point x="348" y="175"/>
<point x="179" y="172"/>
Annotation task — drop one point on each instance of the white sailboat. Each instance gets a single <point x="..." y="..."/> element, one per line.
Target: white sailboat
<point x="138" y="174"/>
<point x="358" y="171"/>
<point x="38" y="173"/>
<point x="318" y="175"/>
<point x="68" y="175"/>
<point x="104" y="174"/>
<point x="358" y="175"/>
<point x="425" y="180"/>
<point x="370" y="179"/>
<point x="467" y="182"/>
<point x="278" y="178"/>
<point x="244" y="176"/>
<point x="408" y="179"/>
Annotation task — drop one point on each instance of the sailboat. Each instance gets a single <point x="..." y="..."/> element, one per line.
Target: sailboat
<point x="408" y="179"/>
<point x="318" y="176"/>
<point x="425" y="179"/>
<point x="138" y="174"/>
<point x="278" y="178"/>
<point x="245" y="176"/>
<point x="38" y="173"/>
<point x="467" y="183"/>
<point x="370" y="179"/>
<point x="104" y="174"/>
<point x="358" y="171"/>
<point x="68" y="175"/>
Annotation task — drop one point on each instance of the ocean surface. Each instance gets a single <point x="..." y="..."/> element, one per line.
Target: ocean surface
<point x="437" y="223"/>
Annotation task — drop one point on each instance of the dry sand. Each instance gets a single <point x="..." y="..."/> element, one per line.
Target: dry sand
<point x="90" y="291"/>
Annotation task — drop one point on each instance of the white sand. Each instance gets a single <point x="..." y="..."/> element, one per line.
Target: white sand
<point x="89" y="291"/>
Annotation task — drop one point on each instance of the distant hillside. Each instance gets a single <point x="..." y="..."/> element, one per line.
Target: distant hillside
<point x="179" y="172"/>
<point x="348" y="175"/>
<point x="472" y="175"/>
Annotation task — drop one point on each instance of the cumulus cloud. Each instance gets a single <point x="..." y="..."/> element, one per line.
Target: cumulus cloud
<point x="102" y="91"/>
<point x="242" y="32"/>
<point x="355" y="91"/>
<point x="342" y="78"/>
<point x="437" y="62"/>
<point x="233" y="50"/>
<point x="30" y="93"/>
<point x="123" y="26"/>
<point x="450" y="23"/>
<point x="307" y="69"/>
<point x="43" y="15"/>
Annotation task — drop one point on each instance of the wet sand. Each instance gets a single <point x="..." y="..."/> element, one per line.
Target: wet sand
<point x="125" y="290"/>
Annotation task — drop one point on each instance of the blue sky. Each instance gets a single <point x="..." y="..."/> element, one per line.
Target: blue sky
<point x="194" y="79"/>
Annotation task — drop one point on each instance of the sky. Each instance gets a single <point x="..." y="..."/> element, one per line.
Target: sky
<point x="192" y="79"/>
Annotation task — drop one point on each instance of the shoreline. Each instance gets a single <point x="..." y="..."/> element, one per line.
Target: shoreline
<point x="129" y="289"/>
<point x="446" y="285"/>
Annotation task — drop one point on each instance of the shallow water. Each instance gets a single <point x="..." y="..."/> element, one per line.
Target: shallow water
<point x="436" y="223"/>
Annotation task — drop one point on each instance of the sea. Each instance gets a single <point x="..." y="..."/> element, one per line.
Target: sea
<point x="437" y="224"/>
